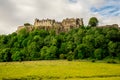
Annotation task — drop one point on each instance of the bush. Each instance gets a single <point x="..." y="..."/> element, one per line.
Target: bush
<point x="93" y="60"/>
<point x="70" y="58"/>
<point x="62" y="56"/>
<point x="112" y="61"/>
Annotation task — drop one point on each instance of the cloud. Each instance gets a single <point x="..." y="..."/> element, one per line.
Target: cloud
<point x="112" y="8"/>
<point x="14" y="13"/>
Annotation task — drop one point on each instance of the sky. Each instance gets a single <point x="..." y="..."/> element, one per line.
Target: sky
<point x="14" y="13"/>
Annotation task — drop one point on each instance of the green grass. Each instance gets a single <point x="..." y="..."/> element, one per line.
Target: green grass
<point x="59" y="70"/>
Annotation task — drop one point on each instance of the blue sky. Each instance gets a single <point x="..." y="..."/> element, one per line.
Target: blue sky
<point x="14" y="13"/>
<point x="111" y="8"/>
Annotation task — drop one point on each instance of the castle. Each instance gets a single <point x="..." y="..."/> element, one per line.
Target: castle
<point x="63" y="26"/>
<point x="48" y="24"/>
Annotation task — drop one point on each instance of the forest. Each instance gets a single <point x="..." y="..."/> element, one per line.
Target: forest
<point x="81" y="43"/>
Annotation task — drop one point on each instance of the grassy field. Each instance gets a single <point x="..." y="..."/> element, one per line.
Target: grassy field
<point x="59" y="70"/>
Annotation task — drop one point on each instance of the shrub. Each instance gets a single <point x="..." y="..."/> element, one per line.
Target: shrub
<point x="112" y="61"/>
<point x="93" y="60"/>
<point x="62" y="56"/>
<point x="69" y="58"/>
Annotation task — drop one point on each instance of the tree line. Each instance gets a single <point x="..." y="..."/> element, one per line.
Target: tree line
<point x="81" y="43"/>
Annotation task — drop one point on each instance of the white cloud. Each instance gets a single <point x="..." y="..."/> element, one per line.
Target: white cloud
<point x="14" y="13"/>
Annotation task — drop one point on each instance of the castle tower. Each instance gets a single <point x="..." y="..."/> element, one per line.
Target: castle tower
<point x="36" y="23"/>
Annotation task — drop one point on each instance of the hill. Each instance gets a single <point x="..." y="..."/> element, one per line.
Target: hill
<point x="71" y="40"/>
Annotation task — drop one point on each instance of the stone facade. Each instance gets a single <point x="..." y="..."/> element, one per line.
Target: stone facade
<point x="65" y="25"/>
<point x="47" y="22"/>
<point x="71" y="23"/>
<point x="19" y="28"/>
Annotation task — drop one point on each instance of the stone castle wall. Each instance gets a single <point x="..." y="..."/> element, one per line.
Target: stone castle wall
<point x="47" y="22"/>
<point x="65" y="25"/>
<point x="109" y="26"/>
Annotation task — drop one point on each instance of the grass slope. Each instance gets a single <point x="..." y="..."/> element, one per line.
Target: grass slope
<point x="60" y="70"/>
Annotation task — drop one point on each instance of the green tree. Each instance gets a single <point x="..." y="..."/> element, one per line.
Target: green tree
<point x="63" y="48"/>
<point x="98" y="53"/>
<point x="5" y="55"/>
<point x="17" y="56"/>
<point x="43" y="52"/>
<point x="33" y="50"/>
<point x="93" y="22"/>
<point x="84" y="51"/>
<point x="51" y="53"/>
<point x="100" y="41"/>
<point x="113" y="35"/>
<point x="112" y="47"/>
<point x="27" y="24"/>
<point x="89" y="39"/>
<point x="3" y="39"/>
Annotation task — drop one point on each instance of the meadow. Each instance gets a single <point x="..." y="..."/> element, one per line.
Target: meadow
<point x="59" y="70"/>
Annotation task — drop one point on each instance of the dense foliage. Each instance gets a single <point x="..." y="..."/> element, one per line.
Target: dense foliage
<point x="81" y="43"/>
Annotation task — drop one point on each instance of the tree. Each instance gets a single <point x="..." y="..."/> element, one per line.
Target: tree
<point x="5" y="55"/>
<point x="99" y="41"/>
<point x="48" y="53"/>
<point x="51" y="53"/>
<point x="112" y="49"/>
<point x="89" y="39"/>
<point x="3" y="39"/>
<point x="70" y="56"/>
<point x="43" y="52"/>
<point x="98" y="53"/>
<point x="17" y="56"/>
<point x="93" y="22"/>
<point x="27" y="24"/>
<point x="84" y="51"/>
<point x="33" y="50"/>
<point x="63" y="48"/>
<point x="113" y="35"/>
